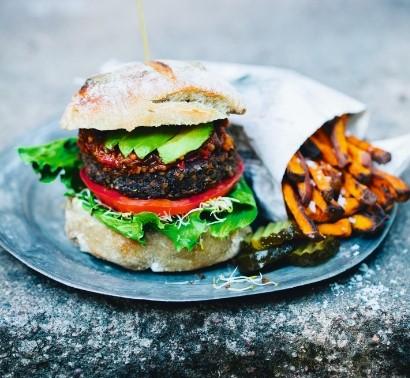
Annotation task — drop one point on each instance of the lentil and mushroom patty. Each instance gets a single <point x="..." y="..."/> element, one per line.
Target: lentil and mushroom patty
<point x="149" y="178"/>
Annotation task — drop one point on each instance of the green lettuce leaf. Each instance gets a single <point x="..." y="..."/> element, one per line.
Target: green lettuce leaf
<point x="131" y="226"/>
<point x="57" y="158"/>
<point x="244" y="213"/>
<point x="188" y="234"/>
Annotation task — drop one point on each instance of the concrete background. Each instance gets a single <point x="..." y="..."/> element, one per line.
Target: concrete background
<point x="355" y="325"/>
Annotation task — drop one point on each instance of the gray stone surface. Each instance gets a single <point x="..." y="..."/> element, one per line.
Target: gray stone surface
<point x="355" y="325"/>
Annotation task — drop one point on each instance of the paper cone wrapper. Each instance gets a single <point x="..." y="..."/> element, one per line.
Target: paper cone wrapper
<point x="284" y="109"/>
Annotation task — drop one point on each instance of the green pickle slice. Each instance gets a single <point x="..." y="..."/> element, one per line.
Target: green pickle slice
<point x="313" y="253"/>
<point x="254" y="261"/>
<point x="282" y="243"/>
<point x="275" y="234"/>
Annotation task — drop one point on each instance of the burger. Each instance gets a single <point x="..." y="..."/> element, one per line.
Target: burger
<point x="154" y="180"/>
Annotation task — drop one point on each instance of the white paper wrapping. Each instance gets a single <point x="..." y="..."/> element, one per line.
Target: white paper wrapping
<point x="284" y="109"/>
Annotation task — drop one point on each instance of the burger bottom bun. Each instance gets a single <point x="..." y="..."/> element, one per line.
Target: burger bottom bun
<point x="158" y="253"/>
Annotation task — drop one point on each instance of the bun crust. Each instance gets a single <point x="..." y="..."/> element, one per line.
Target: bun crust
<point x="158" y="254"/>
<point x="151" y="94"/>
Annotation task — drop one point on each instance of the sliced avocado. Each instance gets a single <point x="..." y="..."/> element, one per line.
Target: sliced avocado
<point x="153" y="141"/>
<point x="113" y="138"/>
<point x="145" y="140"/>
<point x="187" y="140"/>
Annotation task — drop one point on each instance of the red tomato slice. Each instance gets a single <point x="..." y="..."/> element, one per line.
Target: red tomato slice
<point x="119" y="202"/>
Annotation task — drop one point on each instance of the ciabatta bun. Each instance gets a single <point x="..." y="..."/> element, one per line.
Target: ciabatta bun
<point x="158" y="254"/>
<point x="151" y="94"/>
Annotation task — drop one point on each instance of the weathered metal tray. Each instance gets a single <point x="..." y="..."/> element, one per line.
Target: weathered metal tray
<point x="32" y="230"/>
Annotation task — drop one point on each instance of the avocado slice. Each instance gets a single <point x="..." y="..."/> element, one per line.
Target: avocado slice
<point x="113" y="138"/>
<point x="187" y="140"/>
<point x="142" y="140"/>
<point x="145" y="140"/>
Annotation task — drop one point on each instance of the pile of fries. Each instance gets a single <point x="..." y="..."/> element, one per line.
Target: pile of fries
<point x="332" y="186"/>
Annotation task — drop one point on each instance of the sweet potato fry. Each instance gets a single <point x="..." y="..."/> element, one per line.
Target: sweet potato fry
<point x="384" y="192"/>
<point x="384" y="185"/>
<point x="383" y="199"/>
<point x="361" y="163"/>
<point x="316" y="214"/>
<point x="360" y="156"/>
<point x="319" y="201"/>
<point x="350" y="205"/>
<point x="339" y="142"/>
<point x="341" y="228"/>
<point x="360" y="172"/>
<point x="400" y="187"/>
<point x="335" y="210"/>
<point x="324" y="145"/>
<point x="295" y="170"/>
<point x="321" y="211"/>
<point x="358" y="190"/>
<point x="323" y="182"/>
<point x="295" y="207"/>
<point x="336" y="177"/>
<point x="369" y="221"/>
<point x="305" y="191"/>
<point x="305" y="188"/>
<point x="377" y="154"/>
<point x="362" y="223"/>
<point x="310" y="151"/>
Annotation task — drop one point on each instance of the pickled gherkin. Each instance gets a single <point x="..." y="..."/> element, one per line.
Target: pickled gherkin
<point x="249" y="261"/>
<point x="274" y="234"/>
<point x="281" y="243"/>
<point x="313" y="253"/>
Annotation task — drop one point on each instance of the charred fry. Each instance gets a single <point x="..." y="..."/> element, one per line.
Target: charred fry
<point x="341" y="228"/>
<point x="319" y="201"/>
<point x="310" y="151"/>
<point x="385" y="185"/>
<point x="335" y="176"/>
<point x="305" y="187"/>
<point x="305" y="191"/>
<point x="377" y="154"/>
<point x="359" y="191"/>
<point x="400" y="187"/>
<point x="316" y="213"/>
<point x="323" y="182"/>
<point x="323" y="144"/>
<point x="361" y="163"/>
<point x="339" y="142"/>
<point x="350" y="205"/>
<point x="360" y="156"/>
<point x="295" y="169"/>
<point x="369" y="221"/>
<point x="360" y="172"/>
<point x="384" y="192"/>
<point x="295" y="207"/>
<point x="321" y="211"/>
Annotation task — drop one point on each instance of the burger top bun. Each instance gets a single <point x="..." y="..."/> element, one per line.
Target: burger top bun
<point x="151" y="94"/>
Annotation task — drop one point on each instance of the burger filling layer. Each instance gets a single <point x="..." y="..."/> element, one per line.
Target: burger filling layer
<point x="123" y="161"/>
